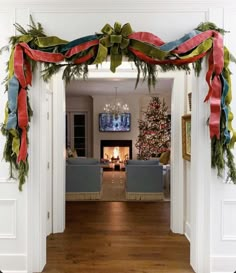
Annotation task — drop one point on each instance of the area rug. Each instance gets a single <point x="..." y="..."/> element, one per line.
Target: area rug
<point x="113" y="187"/>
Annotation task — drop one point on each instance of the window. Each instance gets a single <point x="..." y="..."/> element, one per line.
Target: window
<point x="77" y="137"/>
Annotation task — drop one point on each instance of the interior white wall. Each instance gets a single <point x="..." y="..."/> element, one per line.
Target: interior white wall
<point x="223" y="196"/>
<point x="13" y="204"/>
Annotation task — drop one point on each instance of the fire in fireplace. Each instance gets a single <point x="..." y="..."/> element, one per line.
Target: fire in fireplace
<point x="116" y="150"/>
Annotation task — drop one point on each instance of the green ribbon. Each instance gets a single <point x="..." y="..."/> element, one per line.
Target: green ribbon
<point x="49" y="41"/>
<point x="15" y="140"/>
<point x="117" y="40"/>
<point x="203" y="47"/>
<point x="149" y="50"/>
<point x="228" y="97"/>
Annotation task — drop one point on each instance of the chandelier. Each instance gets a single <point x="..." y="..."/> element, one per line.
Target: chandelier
<point x="116" y="107"/>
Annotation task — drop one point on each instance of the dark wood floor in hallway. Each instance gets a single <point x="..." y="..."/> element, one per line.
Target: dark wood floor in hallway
<point x="117" y="237"/>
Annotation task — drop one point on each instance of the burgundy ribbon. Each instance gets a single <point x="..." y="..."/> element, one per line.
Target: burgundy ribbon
<point x="23" y="123"/>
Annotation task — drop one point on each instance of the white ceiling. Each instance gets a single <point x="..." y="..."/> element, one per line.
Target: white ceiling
<point x="106" y="86"/>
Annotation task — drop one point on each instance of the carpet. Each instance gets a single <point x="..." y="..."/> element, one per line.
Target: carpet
<point x="113" y="187"/>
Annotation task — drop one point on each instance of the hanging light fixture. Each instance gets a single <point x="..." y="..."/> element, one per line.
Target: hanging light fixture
<point x="116" y="107"/>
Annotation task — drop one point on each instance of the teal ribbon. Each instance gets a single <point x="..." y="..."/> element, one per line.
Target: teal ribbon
<point x="77" y="42"/>
<point x="224" y="107"/>
<point x="12" y="103"/>
<point x="172" y="45"/>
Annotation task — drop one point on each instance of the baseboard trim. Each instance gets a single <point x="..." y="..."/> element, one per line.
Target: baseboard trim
<point x="187" y="231"/>
<point x="149" y="196"/>
<point x="13" y="263"/>
<point x="223" y="264"/>
<point x="78" y="196"/>
<point x="6" y="271"/>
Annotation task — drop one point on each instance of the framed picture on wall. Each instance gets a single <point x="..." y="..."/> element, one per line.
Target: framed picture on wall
<point x="186" y="137"/>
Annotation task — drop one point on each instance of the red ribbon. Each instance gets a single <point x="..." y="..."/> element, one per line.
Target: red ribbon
<point x="22" y="123"/>
<point x="146" y="37"/>
<point x="150" y="60"/>
<point x="84" y="58"/>
<point x="76" y="49"/>
<point x="28" y="73"/>
<point x="41" y="56"/>
<point x="193" y="42"/>
<point x="214" y="122"/>
<point x="18" y="65"/>
<point x="218" y="64"/>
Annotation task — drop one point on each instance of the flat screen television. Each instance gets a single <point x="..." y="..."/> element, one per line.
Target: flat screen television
<point x="114" y="123"/>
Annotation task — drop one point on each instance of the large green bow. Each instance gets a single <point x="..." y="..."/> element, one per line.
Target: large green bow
<point x="117" y="40"/>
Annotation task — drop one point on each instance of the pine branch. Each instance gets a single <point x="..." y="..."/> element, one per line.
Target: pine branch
<point x="210" y="26"/>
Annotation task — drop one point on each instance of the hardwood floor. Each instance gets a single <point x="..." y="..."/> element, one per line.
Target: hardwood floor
<point x="117" y="237"/>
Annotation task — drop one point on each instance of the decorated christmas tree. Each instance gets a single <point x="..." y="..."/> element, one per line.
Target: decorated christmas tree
<point x="154" y="130"/>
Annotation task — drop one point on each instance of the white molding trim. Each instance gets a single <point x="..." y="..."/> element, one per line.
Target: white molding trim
<point x="7" y="271"/>
<point x="223" y="264"/>
<point x="177" y="168"/>
<point x="13" y="220"/>
<point x="36" y="183"/>
<point x="8" y="180"/>
<point x="188" y="231"/>
<point x="200" y="201"/>
<point x="13" y="262"/>
<point x="225" y="237"/>
<point x="59" y="156"/>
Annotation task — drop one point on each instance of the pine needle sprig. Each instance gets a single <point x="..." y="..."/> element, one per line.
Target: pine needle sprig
<point x="204" y="26"/>
<point x="50" y="69"/>
<point x="231" y="165"/>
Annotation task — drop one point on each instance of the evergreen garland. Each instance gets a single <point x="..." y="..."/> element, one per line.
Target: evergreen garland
<point x="221" y="154"/>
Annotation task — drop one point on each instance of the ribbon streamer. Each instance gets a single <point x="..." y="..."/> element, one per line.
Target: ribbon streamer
<point x="23" y="123"/>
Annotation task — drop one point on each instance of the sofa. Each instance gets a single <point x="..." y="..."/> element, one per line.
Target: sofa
<point x="144" y="180"/>
<point x="83" y="179"/>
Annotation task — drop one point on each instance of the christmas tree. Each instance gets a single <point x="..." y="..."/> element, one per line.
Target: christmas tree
<point x="154" y="130"/>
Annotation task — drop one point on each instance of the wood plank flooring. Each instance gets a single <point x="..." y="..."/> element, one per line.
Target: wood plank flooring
<point x="117" y="237"/>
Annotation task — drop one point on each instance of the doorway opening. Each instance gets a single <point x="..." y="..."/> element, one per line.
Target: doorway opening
<point x="176" y="222"/>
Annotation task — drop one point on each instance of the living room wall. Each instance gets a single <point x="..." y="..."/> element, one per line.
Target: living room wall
<point x="94" y="105"/>
<point x="134" y="105"/>
<point x="83" y="104"/>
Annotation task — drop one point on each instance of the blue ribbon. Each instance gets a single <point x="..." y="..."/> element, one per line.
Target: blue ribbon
<point x="172" y="45"/>
<point x="76" y="42"/>
<point x="225" y="109"/>
<point x="12" y="102"/>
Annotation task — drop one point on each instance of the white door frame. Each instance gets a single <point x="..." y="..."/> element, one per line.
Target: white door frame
<point x="37" y="197"/>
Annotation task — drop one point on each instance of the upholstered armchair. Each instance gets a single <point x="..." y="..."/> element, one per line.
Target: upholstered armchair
<point x="144" y="180"/>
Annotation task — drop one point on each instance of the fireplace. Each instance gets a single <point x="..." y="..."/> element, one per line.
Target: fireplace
<point x="116" y="150"/>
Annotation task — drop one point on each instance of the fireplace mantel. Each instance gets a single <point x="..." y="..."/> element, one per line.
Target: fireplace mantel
<point x="116" y="143"/>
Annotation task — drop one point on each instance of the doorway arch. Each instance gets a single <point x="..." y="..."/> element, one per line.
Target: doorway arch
<point x="58" y="90"/>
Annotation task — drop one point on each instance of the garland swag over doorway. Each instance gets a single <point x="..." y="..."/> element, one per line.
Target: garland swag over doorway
<point x="147" y="51"/>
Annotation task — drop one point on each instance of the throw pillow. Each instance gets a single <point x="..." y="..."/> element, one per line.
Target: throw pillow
<point x="165" y="158"/>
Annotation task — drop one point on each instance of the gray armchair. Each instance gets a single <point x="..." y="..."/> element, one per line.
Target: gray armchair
<point x="83" y="179"/>
<point x="144" y="180"/>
